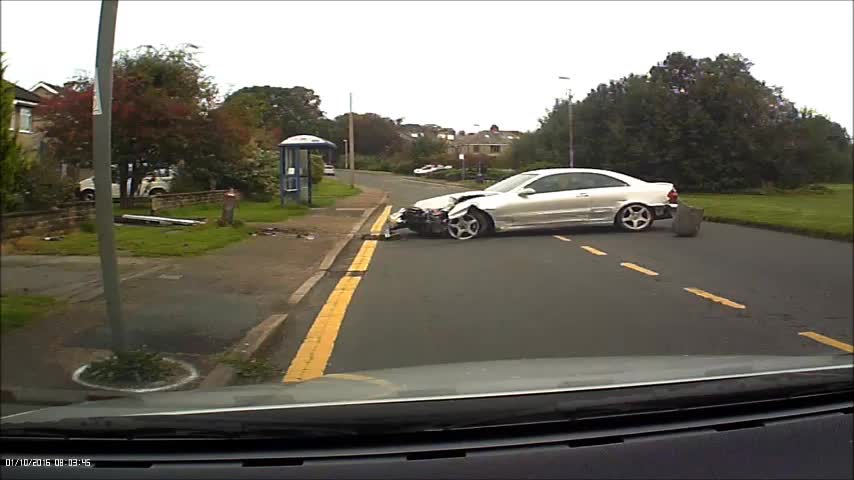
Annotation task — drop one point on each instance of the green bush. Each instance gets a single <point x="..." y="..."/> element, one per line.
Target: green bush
<point x="317" y="165"/>
<point x="130" y="368"/>
<point x="41" y="185"/>
<point x="540" y="165"/>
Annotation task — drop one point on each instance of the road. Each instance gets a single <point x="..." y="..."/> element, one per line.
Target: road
<point x="567" y="293"/>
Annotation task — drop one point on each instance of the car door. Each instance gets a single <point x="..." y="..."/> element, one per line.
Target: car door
<point x="556" y="201"/>
<point x="607" y="195"/>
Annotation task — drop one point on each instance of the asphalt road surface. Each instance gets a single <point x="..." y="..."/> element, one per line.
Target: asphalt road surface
<point x="567" y="293"/>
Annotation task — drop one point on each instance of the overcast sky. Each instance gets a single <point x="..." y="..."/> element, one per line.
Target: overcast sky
<point x="451" y="63"/>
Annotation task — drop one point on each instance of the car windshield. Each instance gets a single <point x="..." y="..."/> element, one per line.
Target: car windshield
<point x="508" y="184"/>
<point x="293" y="203"/>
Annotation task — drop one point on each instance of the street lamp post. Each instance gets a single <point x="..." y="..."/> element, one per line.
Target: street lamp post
<point x="569" y="108"/>
<point x="102" y="103"/>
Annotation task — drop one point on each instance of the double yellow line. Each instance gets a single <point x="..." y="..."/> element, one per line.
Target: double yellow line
<point x="316" y="349"/>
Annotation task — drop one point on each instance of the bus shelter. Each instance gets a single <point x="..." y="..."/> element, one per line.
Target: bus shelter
<point x="295" y="166"/>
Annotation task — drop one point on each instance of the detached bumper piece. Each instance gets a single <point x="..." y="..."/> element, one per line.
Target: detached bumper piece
<point x="425" y="222"/>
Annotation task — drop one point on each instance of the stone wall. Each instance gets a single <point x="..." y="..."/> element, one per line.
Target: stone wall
<point x="57" y="220"/>
<point x="168" y="201"/>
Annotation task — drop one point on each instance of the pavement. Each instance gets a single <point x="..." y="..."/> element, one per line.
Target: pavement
<point x="567" y="293"/>
<point x="191" y="308"/>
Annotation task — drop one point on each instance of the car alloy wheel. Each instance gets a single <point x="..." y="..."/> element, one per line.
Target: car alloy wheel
<point x="635" y="217"/>
<point x="464" y="227"/>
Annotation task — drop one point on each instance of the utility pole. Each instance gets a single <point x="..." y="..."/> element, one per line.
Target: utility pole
<point x="102" y="103"/>
<point x="352" y="148"/>
<point x="569" y="108"/>
<point x="571" y="146"/>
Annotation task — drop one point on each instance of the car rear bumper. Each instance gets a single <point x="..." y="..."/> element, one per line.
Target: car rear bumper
<point x="667" y="210"/>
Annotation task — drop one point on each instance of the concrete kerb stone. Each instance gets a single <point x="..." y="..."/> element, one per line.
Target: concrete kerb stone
<point x="261" y="335"/>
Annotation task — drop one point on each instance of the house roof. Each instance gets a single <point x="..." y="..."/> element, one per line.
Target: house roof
<point x="484" y="138"/>
<point x="54" y="89"/>
<point x="26" y="95"/>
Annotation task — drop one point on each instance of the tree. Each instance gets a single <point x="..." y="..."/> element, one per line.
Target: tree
<point x="162" y="103"/>
<point x="706" y="124"/>
<point x="9" y="149"/>
<point x="373" y="134"/>
<point x="276" y="113"/>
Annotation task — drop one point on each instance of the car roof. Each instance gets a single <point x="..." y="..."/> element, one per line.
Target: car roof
<point x="621" y="176"/>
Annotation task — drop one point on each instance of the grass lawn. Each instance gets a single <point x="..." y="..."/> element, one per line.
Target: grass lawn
<point x="148" y="241"/>
<point x="19" y="310"/>
<point x="825" y="215"/>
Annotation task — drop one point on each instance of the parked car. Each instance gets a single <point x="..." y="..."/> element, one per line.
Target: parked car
<point x="556" y="197"/>
<point x="428" y="169"/>
<point x="155" y="182"/>
<point x="328" y="169"/>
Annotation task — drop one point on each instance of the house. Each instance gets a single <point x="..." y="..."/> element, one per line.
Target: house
<point x="492" y="142"/>
<point x="25" y="104"/>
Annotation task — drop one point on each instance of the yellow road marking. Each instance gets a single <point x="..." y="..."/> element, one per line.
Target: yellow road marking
<point x="593" y="250"/>
<point x="380" y="223"/>
<point x="640" y="269"/>
<point x="316" y="349"/>
<point x="561" y="237"/>
<point x="363" y="258"/>
<point x="715" y="298"/>
<point x="828" y="341"/>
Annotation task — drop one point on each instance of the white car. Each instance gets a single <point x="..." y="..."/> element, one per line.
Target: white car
<point x="428" y="169"/>
<point x="154" y="183"/>
<point x="548" y="198"/>
<point x="328" y="169"/>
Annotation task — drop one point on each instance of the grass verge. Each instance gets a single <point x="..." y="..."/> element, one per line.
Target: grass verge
<point x="150" y="241"/>
<point x="827" y="215"/>
<point x="19" y="310"/>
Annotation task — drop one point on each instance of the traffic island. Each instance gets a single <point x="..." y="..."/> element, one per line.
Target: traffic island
<point x="135" y="372"/>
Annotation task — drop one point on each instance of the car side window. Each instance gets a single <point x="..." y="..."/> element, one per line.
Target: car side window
<point x="595" y="180"/>
<point x="559" y="182"/>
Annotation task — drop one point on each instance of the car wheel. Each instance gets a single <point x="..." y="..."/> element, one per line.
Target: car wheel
<point x="88" y="195"/>
<point x="635" y="218"/>
<point x="156" y="191"/>
<point x="470" y="225"/>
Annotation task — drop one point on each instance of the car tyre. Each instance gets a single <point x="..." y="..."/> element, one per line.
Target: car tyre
<point x="472" y="224"/>
<point x="156" y="191"/>
<point x="87" y="195"/>
<point x="635" y="218"/>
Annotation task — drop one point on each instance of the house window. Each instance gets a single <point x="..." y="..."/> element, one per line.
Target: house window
<point x="26" y="124"/>
<point x="495" y="149"/>
<point x="475" y="148"/>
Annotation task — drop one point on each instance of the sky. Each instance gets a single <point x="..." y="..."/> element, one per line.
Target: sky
<point x="456" y="64"/>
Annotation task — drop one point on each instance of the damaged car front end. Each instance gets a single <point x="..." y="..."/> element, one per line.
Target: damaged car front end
<point x="434" y="215"/>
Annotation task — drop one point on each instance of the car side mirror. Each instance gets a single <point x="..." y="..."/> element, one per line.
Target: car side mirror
<point x="526" y="191"/>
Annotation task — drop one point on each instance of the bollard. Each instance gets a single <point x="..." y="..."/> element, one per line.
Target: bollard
<point x="687" y="221"/>
<point x="229" y="201"/>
